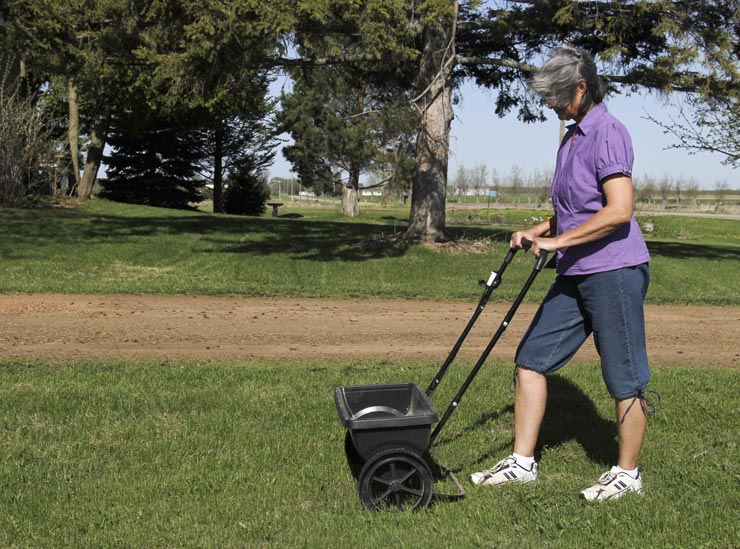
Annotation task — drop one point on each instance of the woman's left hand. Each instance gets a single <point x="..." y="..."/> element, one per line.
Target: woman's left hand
<point x="544" y="243"/>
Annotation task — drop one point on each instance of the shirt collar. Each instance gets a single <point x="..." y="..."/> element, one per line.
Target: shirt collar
<point x="590" y="120"/>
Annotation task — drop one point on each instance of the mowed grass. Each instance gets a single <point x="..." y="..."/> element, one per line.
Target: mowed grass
<point x="250" y="454"/>
<point x="107" y="247"/>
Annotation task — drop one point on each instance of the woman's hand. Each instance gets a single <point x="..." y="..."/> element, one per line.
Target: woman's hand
<point x="534" y="234"/>
<point x="543" y="243"/>
<point x="517" y="237"/>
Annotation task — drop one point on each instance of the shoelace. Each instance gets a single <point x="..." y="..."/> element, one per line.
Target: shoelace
<point x="648" y="406"/>
<point x="607" y="477"/>
<point x="500" y="465"/>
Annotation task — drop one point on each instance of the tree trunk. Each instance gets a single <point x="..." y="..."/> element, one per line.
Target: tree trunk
<point x="73" y="132"/>
<point x="351" y="194"/>
<point x="429" y="187"/>
<point x="218" y="169"/>
<point x="94" y="158"/>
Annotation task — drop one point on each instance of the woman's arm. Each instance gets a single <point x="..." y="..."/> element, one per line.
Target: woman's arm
<point x="545" y="228"/>
<point x="618" y="210"/>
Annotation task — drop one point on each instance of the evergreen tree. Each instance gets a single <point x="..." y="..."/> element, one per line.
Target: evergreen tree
<point x="344" y="124"/>
<point x="153" y="163"/>
<point x="247" y="192"/>
<point x="238" y="147"/>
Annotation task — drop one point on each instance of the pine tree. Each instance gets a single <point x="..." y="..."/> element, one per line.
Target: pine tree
<point x="153" y="164"/>
<point x="344" y="124"/>
<point x="247" y="191"/>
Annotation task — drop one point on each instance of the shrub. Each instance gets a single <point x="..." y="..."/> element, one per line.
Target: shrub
<point x="26" y="147"/>
<point x="246" y="194"/>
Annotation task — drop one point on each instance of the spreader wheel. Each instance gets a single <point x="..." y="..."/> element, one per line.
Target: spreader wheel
<point x="395" y="480"/>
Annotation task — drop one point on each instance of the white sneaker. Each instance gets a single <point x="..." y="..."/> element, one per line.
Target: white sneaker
<point x="506" y="470"/>
<point x="613" y="485"/>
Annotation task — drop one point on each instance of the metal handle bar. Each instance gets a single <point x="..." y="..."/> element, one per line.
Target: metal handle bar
<point x="539" y="264"/>
<point x="491" y="284"/>
<point x="541" y="259"/>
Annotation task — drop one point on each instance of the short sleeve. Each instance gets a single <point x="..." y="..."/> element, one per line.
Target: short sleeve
<point x="614" y="151"/>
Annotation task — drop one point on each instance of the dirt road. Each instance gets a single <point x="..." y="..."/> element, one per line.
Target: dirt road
<point x="226" y="328"/>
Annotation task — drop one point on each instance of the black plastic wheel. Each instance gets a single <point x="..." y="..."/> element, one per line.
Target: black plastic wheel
<point x="395" y="480"/>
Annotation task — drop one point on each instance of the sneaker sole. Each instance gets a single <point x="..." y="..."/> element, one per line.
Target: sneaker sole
<point x="480" y="482"/>
<point x="618" y="495"/>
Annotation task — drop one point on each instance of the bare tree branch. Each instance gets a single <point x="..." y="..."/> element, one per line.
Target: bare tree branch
<point x="712" y="129"/>
<point x="379" y="184"/>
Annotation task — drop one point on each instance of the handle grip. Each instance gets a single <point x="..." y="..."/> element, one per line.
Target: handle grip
<point x="541" y="259"/>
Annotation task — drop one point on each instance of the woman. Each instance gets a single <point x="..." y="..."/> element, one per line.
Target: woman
<point x="603" y="275"/>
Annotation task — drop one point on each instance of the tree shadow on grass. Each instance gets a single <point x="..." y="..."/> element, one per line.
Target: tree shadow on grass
<point x="689" y="250"/>
<point x="319" y="241"/>
<point x="312" y="240"/>
<point x="302" y="239"/>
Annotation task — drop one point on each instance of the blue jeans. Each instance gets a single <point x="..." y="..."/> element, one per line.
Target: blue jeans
<point x="609" y="305"/>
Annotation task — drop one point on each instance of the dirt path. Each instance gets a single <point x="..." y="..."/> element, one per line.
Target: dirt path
<point x="143" y="326"/>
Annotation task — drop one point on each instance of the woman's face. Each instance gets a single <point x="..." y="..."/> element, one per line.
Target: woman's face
<point x="570" y="110"/>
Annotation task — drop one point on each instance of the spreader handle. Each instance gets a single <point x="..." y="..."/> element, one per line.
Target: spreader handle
<point x="541" y="259"/>
<point x="493" y="282"/>
<point x="539" y="264"/>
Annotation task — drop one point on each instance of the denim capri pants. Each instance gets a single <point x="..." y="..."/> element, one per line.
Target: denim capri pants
<point x="607" y="304"/>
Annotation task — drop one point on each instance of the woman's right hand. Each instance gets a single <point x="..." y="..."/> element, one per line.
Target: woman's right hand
<point x="517" y="237"/>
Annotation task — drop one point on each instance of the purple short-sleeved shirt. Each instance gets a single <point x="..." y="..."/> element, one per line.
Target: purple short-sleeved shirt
<point x="596" y="148"/>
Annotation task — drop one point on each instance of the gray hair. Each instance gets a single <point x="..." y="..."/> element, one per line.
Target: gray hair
<point x="558" y="79"/>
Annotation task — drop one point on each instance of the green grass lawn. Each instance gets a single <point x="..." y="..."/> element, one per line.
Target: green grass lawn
<point x="250" y="454"/>
<point x="108" y="247"/>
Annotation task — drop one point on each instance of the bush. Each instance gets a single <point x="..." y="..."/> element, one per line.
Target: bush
<point x="246" y="194"/>
<point x="26" y="148"/>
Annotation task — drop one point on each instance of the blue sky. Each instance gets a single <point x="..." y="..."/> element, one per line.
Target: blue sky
<point x="480" y="137"/>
